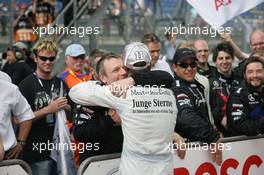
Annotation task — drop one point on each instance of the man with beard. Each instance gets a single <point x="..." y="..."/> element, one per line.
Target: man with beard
<point x="245" y="110"/>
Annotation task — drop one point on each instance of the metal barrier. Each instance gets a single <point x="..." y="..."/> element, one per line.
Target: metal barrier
<point x="109" y="163"/>
<point x="90" y="160"/>
<point x="14" y="167"/>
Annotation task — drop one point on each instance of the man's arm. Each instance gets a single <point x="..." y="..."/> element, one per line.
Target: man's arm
<point x="54" y="106"/>
<point x="190" y="125"/>
<point x="91" y="124"/>
<point x="92" y="94"/>
<point x="156" y="77"/>
<point x="238" y="53"/>
<point x="22" y="110"/>
<point x="143" y="78"/>
<point x="180" y="142"/>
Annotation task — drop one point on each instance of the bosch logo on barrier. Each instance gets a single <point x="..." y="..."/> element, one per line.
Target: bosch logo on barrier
<point x="207" y="167"/>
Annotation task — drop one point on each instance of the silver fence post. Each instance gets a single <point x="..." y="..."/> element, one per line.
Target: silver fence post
<point x="74" y="17"/>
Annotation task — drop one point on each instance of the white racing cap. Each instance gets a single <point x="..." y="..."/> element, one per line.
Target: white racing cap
<point x="136" y="56"/>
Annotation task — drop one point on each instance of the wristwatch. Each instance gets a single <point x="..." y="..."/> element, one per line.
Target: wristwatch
<point x="21" y="142"/>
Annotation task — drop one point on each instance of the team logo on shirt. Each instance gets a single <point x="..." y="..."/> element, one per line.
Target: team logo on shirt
<point x="183" y="99"/>
<point x="184" y="102"/>
<point x="251" y="98"/>
<point x="216" y="84"/>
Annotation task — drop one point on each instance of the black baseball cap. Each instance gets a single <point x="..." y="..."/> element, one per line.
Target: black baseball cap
<point x="183" y="54"/>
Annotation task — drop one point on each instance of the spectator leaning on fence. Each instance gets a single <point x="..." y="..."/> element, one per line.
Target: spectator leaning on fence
<point x="193" y="120"/>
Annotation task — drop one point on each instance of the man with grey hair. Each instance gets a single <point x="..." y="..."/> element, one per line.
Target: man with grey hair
<point x="147" y="125"/>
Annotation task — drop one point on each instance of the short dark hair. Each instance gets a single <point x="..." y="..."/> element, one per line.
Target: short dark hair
<point x="100" y="70"/>
<point x="252" y="59"/>
<point x="223" y="47"/>
<point x="149" y="38"/>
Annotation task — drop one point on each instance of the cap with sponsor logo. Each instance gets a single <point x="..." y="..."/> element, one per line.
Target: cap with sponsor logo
<point x="183" y="54"/>
<point x="136" y="56"/>
<point x="74" y="50"/>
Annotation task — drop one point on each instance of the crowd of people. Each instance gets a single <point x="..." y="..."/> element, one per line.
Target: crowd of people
<point x="120" y="102"/>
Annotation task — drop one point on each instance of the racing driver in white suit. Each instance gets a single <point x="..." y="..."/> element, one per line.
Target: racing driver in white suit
<point x="148" y="117"/>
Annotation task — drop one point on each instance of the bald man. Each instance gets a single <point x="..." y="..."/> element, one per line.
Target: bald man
<point x="202" y="54"/>
<point x="257" y="42"/>
<point x="257" y="49"/>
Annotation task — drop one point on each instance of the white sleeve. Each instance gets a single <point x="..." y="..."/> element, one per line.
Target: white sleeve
<point x="91" y="94"/>
<point x="21" y="109"/>
<point x="5" y="77"/>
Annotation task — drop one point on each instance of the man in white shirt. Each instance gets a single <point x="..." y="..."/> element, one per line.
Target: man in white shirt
<point x="13" y="103"/>
<point x="148" y="116"/>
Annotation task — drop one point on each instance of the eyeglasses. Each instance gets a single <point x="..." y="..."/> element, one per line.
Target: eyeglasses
<point x="186" y="65"/>
<point x="43" y="58"/>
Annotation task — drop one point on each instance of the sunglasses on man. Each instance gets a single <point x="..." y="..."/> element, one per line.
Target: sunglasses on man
<point x="44" y="58"/>
<point x="186" y="65"/>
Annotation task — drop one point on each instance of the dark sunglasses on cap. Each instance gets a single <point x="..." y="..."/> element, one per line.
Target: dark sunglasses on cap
<point x="186" y="65"/>
<point x="43" y="58"/>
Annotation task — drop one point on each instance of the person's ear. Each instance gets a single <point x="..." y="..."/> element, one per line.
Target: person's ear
<point x="35" y="58"/>
<point x="174" y="68"/>
<point x="66" y="60"/>
<point x="103" y="78"/>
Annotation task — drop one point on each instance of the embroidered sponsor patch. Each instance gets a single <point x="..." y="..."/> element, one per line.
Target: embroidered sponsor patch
<point x="185" y="101"/>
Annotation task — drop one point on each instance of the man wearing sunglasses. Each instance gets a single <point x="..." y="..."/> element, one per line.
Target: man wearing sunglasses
<point x="193" y="120"/>
<point x="42" y="92"/>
